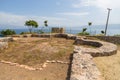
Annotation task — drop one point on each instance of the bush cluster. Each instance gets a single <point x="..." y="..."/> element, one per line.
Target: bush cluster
<point x="8" y="32"/>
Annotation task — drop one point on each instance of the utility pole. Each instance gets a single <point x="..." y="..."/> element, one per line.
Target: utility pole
<point x="107" y="20"/>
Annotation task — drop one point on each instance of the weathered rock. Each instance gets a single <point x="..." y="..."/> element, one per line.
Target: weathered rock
<point x="6" y="39"/>
<point x="3" y="45"/>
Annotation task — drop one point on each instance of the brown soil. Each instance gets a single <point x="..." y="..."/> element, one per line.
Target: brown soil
<point x="51" y="72"/>
<point x="109" y="66"/>
<point x="35" y="51"/>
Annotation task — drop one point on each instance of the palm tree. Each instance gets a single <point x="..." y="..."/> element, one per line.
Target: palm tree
<point x="84" y="29"/>
<point x="102" y="32"/>
<point x="31" y="24"/>
<point x="45" y="23"/>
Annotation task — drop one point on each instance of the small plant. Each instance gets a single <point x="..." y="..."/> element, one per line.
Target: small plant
<point x="102" y="32"/>
<point x="83" y="32"/>
<point x="40" y="31"/>
<point x="117" y="35"/>
<point x="27" y="33"/>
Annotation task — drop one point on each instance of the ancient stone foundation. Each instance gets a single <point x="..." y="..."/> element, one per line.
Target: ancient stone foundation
<point x="112" y="39"/>
<point x="82" y="66"/>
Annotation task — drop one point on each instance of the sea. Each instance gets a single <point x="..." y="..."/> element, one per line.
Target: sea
<point x="113" y="29"/>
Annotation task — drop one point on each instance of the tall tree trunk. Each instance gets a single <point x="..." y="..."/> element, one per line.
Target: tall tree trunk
<point x="30" y="29"/>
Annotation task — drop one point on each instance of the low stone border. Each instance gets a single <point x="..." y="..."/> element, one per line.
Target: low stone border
<point x="32" y="68"/>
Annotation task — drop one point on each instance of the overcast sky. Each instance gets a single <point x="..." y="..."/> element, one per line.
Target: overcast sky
<point x="58" y="12"/>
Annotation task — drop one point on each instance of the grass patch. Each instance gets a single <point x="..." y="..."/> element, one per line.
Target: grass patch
<point x="109" y="66"/>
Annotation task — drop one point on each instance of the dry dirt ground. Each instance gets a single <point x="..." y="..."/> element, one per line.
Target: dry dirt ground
<point x="51" y="72"/>
<point x="34" y="52"/>
<point x="109" y="66"/>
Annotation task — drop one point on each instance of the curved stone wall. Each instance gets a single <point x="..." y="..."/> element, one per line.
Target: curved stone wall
<point x="103" y="48"/>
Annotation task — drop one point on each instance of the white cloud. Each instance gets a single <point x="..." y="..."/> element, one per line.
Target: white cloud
<point x="80" y="3"/>
<point x="98" y="3"/>
<point x="74" y="13"/>
<point x="10" y="19"/>
<point x="19" y="20"/>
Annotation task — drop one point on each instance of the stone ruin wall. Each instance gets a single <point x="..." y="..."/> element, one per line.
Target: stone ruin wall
<point x="83" y="67"/>
<point x="58" y="30"/>
<point x="112" y="39"/>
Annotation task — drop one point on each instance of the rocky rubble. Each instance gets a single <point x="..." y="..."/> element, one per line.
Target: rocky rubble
<point x="3" y="45"/>
<point x="4" y="42"/>
<point x="6" y="39"/>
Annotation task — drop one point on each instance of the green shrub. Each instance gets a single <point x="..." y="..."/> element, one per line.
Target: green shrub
<point x="40" y="31"/>
<point x="99" y="35"/>
<point x="27" y="33"/>
<point x="83" y="33"/>
<point x="117" y="35"/>
<point x="8" y="32"/>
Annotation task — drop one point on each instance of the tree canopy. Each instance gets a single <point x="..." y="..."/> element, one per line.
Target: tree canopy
<point x="31" y="24"/>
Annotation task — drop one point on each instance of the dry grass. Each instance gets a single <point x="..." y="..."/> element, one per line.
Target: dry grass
<point x="109" y="66"/>
<point x="31" y="51"/>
